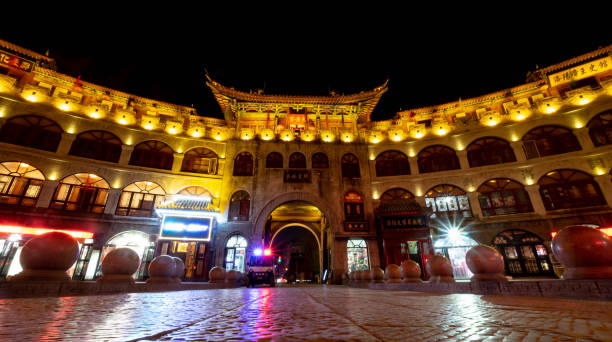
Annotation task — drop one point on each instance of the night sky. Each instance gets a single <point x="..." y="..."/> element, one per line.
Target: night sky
<point x="168" y="62"/>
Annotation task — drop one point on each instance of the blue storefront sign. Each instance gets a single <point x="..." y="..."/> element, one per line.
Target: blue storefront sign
<point x="186" y="228"/>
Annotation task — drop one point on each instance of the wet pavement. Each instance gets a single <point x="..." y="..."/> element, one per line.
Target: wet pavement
<point x="303" y="313"/>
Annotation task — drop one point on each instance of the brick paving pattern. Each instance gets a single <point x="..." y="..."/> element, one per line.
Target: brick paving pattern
<point x="303" y="313"/>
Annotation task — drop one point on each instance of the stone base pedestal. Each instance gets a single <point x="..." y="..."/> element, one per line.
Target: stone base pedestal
<point x="593" y="272"/>
<point x="116" y="278"/>
<point x="441" y="279"/>
<point x="163" y="280"/>
<point x="489" y="277"/>
<point x="40" y="275"/>
<point x="412" y="280"/>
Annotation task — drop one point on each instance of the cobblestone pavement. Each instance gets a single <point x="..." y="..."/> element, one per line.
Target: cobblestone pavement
<point x="303" y="313"/>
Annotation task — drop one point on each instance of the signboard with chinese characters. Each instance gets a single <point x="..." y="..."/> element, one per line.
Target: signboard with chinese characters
<point x="9" y="59"/>
<point x="186" y="228"/>
<point x="580" y="72"/>
<point x="401" y="222"/>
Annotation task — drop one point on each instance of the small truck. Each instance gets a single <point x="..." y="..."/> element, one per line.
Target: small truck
<point x="261" y="268"/>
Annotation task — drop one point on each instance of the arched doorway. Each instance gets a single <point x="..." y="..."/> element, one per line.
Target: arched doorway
<point x="524" y="253"/>
<point x="135" y="240"/>
<point x="299" y="235"/>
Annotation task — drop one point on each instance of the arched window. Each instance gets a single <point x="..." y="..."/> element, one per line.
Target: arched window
<point x="243" y="164"/>
<point x="83" y="192"/>
<point x="297" y="161"/>
<point x="565" y="188"/>
<point x="454" y="246"/>
<point x="20" y="183"/>
<point x="240" y="205"/>
<point x="139" y="242"/>
<point x="448" y="200"/>
<point x="195" y="190"/>
<point x="32" y="131"/>
<point x="353" y="206"/>
<point x="200" y="160"/>
<point x="274" y="160"/>
<point x="489" y="151"/>
<point x="154" y="154"/>
<point x="350" y="166"/>
<point x="437" y="158"/>
<point x="235" y="253"/>
<point x="549" y="140"/>
<point x="139" y="199"/>
<point x="395" y="194"/>
<point x="392" y="163"/>
<point x="501" y="196"/>
<point x="600" y="129"/>
<point x="524" y="253"/>
<point x="320" y="161"/>
<point x="99" y="145"/>
<point x="357" y="255"/>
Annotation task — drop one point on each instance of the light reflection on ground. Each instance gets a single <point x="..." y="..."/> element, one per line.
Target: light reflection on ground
<point x="298" y="313"/>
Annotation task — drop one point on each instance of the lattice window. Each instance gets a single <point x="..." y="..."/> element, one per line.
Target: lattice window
<point x="320" y="161"/>
<point x="549" y="140"/>
<point x="243" y="164"/>
<point x="395" y="194"/>
<point x="154" y="154"/>
<point x="448" y="200"/>
<point x="240" y="206"/>
<point x="297" y="161"/>
<point x="200" y="160"/>
<point x="489" y="151"/>
<point x="392" y="163"/>
<point x="565" y="188"/>
<point x="274" y="160"/>
<point x="437" y="158"/>
<point x="140" y="199"/>
<point x="501" y="196"/>
<point x="99" y="145"/>
<point x="20" y="183"/>
<point x="350" y="166"/>
<point x="32" y="131"/>
<point x="600" y="129"/>
<point x="83" y="192"/>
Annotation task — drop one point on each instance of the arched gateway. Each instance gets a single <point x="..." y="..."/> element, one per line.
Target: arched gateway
<point x="300" y="229"/>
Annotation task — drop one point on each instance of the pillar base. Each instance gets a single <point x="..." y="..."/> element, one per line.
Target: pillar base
<point x="162" y="280"/>
<point x="40" y="275"/>
<point x="116" y="278"/>
<point x="594" y="272"/>
<point x="441" y="279"/>
<point x="412" y="280"/>
<point x="394" y="280"/>
<point x="488" y="277"/>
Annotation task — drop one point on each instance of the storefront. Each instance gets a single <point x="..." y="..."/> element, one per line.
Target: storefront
<point x="186" y="232"/>
<point x="13" y="237"/>
<point x="137" y="241"/>
<point x="403" y="233"/>
<point x="454" y="245"/>
<point x="525" y="254"/>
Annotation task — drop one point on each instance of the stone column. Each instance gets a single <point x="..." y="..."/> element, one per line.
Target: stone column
<point x="65" y="143"/>
<point x="535" y="198"/>
<point x="126" y="153"/>
<point x="519" y="152"/>
<point x="46" y="193"/>
<point x="112" y="200"/>
<point x="605" y="184"/>
<point x="463" y="160"/>
<point x="178" y="162"/>
<point x="582" y="134"/>
<point x="475" y="204"/>
<point x="414" y="166"/>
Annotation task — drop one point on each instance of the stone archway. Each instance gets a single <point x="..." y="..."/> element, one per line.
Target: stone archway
<point x="300" y="252"/>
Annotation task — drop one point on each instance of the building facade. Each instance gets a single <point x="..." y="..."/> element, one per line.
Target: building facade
<point x="506" y="169"/>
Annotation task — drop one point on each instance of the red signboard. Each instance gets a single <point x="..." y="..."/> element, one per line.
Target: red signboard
<point x="9" y="59"/>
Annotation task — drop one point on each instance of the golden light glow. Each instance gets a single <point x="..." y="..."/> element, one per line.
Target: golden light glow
<point x="582" y="100"/>
<point x="549" y="105"/>
<point x="128" y="141"/>
<point x="491" y="121"/>
<point x="307" y="136"/>
<point x="71" y="130"/>
<point x="459" y="147"/>
<point x="515" y="137"/>
<point x="52" y="176"/>
<point x="117" y="184"/>
<point x="396" y="135"/>
<point x="218" y="137"/>
<point x="418" y="131"/>
<point x="65" y="106"/>
<point x="375" y="195"/>
<point x="95" y="114"/>
<point x="286" y="136"/>
<point x="1" y="113"/>
<point x="218" y="134"/>
<point x="372" y="157"/>
<point x="419" y="193"/>
<point x="196" y="133"/>
<point x="247" y="134"/>
<point x="411" y="154"/>
<point x="347" y="137"/>
<point x="179" y="150"/>
<point x="24" y="165"/>
<point x="32" y="97"/>
<point x="172" y="130"/>
<point x="578" y="124"/>
<point x="327" y="136"/>
<point x="441" y="129"/>
<point x="122" y="120"/>
<point x="600" y="171"/>
<point x="266" y="134"/>
<point x="148" y="125"/>
<point x="520" y="114"/>
<point x="529" y="180"/>
<point x="92" y="175"/>
<point x="471" y="188"/>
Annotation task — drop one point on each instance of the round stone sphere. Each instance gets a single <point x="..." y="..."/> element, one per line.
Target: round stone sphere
<point x="377" y="274"/>
<point x="216" y="274"/>
<point x="120" y="261"/>
<point x="438" y="265"/>
<point x="366" y="275"/>
<point x="162" y="266"/>
<point x="179" y="267"/>
<point x="484" y="259"/>
<point x="231" y="276"/>
<point x="582" y="246"/>
<point x="49" y="251"/>
<point x="393" y="273"/>
<point x="410" y="269"/>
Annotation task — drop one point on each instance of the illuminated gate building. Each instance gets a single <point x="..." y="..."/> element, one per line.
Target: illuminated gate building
<point x="313" y="177"/>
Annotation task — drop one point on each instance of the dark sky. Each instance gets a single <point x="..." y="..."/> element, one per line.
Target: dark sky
<point x="426" y="64"/>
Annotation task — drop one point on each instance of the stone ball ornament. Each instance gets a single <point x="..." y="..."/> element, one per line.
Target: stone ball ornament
<point x="586" y="252"/>
<point x="179" y="269"/>
<point x="377" y="274"/>
<point x="216" y="275"/>
<point x="393" y="274"/>
<point x="119" y="265"/>
<point x="47" y="257"/>
<point x="411" y="271"/>
<point x="366" y="275"/>
<point x="162" y="269"/>
<point x="440" y="269"/>
<point x="486" y="263"/>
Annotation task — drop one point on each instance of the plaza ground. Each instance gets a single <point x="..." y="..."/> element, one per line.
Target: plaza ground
<point x="303" y="313"/>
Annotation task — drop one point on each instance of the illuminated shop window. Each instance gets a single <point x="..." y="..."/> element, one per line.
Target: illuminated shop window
<point x="353" y="206"/>
<point x="154" y="154"/>
<point x="20" y="183"/>
<point x="137" y="241"/>
<point x="243" y="164"/>
<point x="235" y="253"/>
<point x="350" y="166"/>
<point x="139" y="199"/>
<point x="396" y="194"/>
<point x="297" y="161"/>
<point x="99" y="145"/>
<point x="448" y="200"/>
<point x="274" y="160"/>
<point x="489" y="151"/>
<point x="437" y="158"/>
<point x="200" y="160"/>
<point x="501" y="196"/>
<point x="600" y="129"/>
<point x="83" y="192"/>
<point x="357" y="254"/>
<point x="549" y="140"/>
<point x="565" y="188"/>
<point x="32" y="131"/>
<point x="454" y="245"/>
<point x="524" y="253"/>
<point x="240" y="205"/>
<point x="392" y="163"/>
<point x="320" y="161"/>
